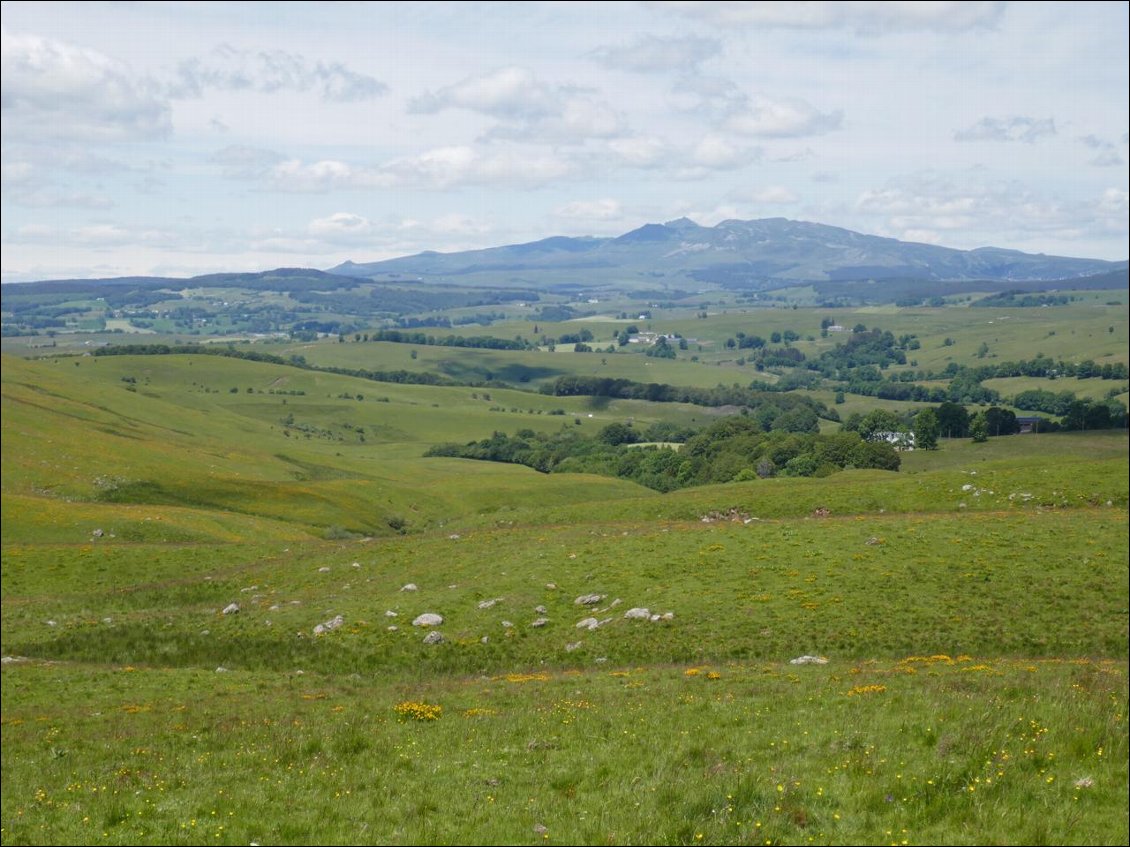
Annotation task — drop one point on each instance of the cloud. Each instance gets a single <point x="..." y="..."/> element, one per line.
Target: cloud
<point x="639" y="151"/>
<point x="707" y="95"/>
<point x="1015" y="128"/>
<point x="769" y="195"/>
<point x="782" y="118"/>
<point x="341" y="226"/>
<point x="651" y="54"/>
<point x="719" y="153"/>
<point x="1107" y="153"/>
<point x="54" y="90"/>
<point x="227" y="68"/>
<point x="858" y="15"/>
<point x="436" y="169"/>
<point x="240" y="161"/>
<point x="928" y="203"/>
<point x="530" y="109"/>
<point x="604" y="209"/>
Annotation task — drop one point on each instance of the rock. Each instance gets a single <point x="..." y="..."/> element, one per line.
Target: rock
<point x="323" y="569"/>
<point x="654" y="618"/>
<point x="600" y="660"/>
<point x="808" y="660"/>
<point x="615" y="603"/>
<point x="507" y="624"/>
<point x="637" y="614"/>
<point x="51" y="623"/>
<point x="355" y="565"/>
<point x="221" y="669"/>
<point x="821" y="512"/>
<point x="588" y="623"/>
<point x="589" y="599"/>
<point x="552" y="586"/>
<point x="390" y="614"/>
<point x="540" y="829"/>
<point x="329" y="625"/>
<point x="873" y="541"/>
<point x="541" y="610"/>
<point x="540" y="622"/>
<point x="7" y="660"/>
<point x="409" y="587"/>
<point x="569" y="648"/>
<point x="231" y="609"/>
<point x="274" y="608"/>
<point x="485" y="639"/>
<point x="486" y="604"/>
<point x="428" y="619"/>
<point x="394" y="628"/>
<point x="454" y="536"/>
<point x="433" y="638"/>
<point x="97" y="533"/>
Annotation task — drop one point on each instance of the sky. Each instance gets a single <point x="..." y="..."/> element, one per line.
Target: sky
<point x="183" y="138"/>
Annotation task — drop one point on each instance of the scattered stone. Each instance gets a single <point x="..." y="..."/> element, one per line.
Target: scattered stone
<point x="667" y="616"/>
<point x="409" y="587"/>
<point x="507" y="624"/>
<point x="329" y="625"/>
<point x="355" y="565"/>
<point x="552" y="586"/>
<point x="221" y="669"/>
<point x="588" y="623"/>
<point x="808" y="660"/>
<point x="7" y="660"/>
<point x="274" y="608"/>
<point x="433" y="638"/>
<point x="454" y="536"/>
<point x="821" y="512"/>
<point x="540" y="829"/>
<point x="600" y="660"/>
<point x="541" y="610"/>
<point x="391" y="614"/>
<point x="486" y="604"/>
<point x="873" y="541"/>
<point x="654" y="618"/>
<point x="428" y="619"/>
<point x="734" y="515"/>
<point x="485" y="639"/>
<point x="540" y="622"/>
<point x="323" y="569"/>
<point x="589" y="599"/>
<point x="97" y="533"/>
<point x="394" y="628"/>
<point x="1084" y="782"/>
<point x="615" y="603"/>
<point x="569" y="648"/>
<point x="231" y="609"/>
<point x="249" y="589"/>
<point x="107" y="620"/>
<point x="637" y="614"/>
<point x="51" y="623"/>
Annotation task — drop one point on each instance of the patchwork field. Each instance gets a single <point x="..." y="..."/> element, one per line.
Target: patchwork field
<point x="971" y="609"/>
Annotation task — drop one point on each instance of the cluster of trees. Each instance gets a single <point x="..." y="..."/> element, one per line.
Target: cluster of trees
<point x="803" y="411"/>
<point x="1024" y="299"/>
<point x="736" y="448"/>
<point x="482" y="342"/>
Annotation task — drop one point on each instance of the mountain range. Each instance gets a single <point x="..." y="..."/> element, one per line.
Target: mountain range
<point x="755" y="254"/>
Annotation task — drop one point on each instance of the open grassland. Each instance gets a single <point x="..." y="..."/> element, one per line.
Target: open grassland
<point x="972" y="609"/>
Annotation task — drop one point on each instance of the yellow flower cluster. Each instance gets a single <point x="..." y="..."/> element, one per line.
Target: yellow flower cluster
<point x="410" y="710"/>
<point x="867" y="689"/>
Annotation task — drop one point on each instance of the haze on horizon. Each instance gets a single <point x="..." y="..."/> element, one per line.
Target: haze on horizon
<point x="177" y="139"/>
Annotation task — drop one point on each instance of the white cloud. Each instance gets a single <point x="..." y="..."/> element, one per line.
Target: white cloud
<point x="53" y="90"/>
<point x="227" y="68"/>
<point x="449" y="167"/>
<point x="782" y="118"/>
<point x="341" y="226"/>
<point x="511" y="92"/>
<point x="241" y="161"/>
<point x="650" y="54"/>
<point x="719" y="153"/>
<point x="1014" y="128"/>
<point x="639" y="151"/>
<point x="858" y="15"/>
<point x="773" y="195"/>
<point x="530" y="109"/>
<point x="604" y="209"/>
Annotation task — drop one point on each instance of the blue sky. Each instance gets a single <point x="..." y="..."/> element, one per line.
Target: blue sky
<point x="183" y="138"/>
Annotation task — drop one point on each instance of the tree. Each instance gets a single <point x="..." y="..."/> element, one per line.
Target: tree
<point x="953" y="420"/>
<point x="926" y="430"/>
<point x="979" y="428"/>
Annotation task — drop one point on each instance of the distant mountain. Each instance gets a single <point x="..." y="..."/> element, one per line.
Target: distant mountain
<point x="754" y="255"/>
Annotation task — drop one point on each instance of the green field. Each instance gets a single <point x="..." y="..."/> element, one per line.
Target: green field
<point x="971" y="608"/>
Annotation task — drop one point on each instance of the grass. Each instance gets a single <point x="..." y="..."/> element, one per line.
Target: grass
<point x="972" y="609"/>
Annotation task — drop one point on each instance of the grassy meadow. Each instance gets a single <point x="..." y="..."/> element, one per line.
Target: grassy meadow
<point x="969" y="612"/>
